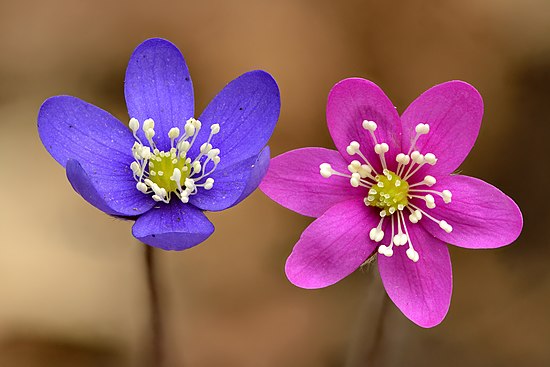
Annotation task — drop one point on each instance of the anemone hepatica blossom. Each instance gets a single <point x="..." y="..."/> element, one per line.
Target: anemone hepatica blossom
<point x="389" y="189"/>
<point x="168" y="167"/>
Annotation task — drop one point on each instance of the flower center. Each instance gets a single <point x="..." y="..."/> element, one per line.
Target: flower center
<point x="164" y="173"/>
<point x="390" y="191"/>
<point x="168" y="162"/>
<point x="389" y="194"/>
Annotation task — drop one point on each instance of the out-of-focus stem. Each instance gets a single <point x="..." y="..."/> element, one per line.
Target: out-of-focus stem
<point x="157" y="335"/>
<point x="364" y="350"/>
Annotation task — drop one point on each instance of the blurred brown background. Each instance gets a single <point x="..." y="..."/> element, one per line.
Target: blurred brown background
<point x="72" y="284"/>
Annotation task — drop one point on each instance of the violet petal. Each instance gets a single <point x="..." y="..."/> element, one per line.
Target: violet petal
<point x="158" y="86"/>
<point x="246" y="109"/>
<point x="174" y="226"/>
<point x="114" y="194"/>
<point x="231" y="183"/>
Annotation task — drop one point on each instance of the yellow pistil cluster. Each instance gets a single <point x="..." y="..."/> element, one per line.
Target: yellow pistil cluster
<point x="161" y="170"/>
<point x="389" y="194"/>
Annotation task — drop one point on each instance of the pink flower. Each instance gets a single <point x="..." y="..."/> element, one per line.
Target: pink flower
<point x="390" y="189"/>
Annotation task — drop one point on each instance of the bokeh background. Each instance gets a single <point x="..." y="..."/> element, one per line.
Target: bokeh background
<point x="72" y="283"/>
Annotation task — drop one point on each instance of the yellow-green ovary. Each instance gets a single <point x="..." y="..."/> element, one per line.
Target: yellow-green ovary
<point x="165" y="163"/>
<point x="389" y="192"/>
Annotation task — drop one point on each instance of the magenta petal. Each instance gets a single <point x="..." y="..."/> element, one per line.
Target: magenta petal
<point x="349" y="103"/>
<point x="481" y="215"/>
<point x="293" y="181"/>
<point x="333" y="246"/>
<point x="454" y="111"/>
<point x="421" y="290"/>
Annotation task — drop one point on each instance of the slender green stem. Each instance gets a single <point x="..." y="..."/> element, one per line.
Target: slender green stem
<point x="157" y="335"/>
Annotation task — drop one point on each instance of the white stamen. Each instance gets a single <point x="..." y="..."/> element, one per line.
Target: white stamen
<point x="214" y="129"/>
<point x="134" y="125"/>
<point x="208" y="183"/>
<point x="173" y="133"/>
<point x="447" y="195"/>
<point x="430" y="201"/>
<point x="355" y="179"/>
<point x="445" y="226"/>
<point x="369" y="125"/>
<point x="412" y="254"/>
<point x="148" y="124"/>
<point x="353" y="148"/>
<point x="325" y="170"/>
<point x="422" y="129"/>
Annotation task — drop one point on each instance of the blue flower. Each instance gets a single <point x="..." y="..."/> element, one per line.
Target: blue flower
<point x="168" y="167"/>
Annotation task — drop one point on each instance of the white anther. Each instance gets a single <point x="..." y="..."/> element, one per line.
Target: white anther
<point x="174" y="133"/>
<point x="429" y="180"/>
<point x="214" y="129"/>
<point x="417" y="157"/>
<point x="205" y="148"/>
<point x="365" y="170"/>
<point x="213" y="153"/>
<point x="383" y="213"/>
<point x="134" y="124"/>
<point x="142" y="187"/>
<point x="189" y="183"/>
<point x="157" y="198"/>
<point x="208" y="183"/>
<point x="422" y="129"/>
<point x="445" y="226"/>
<point x="355" y="179"/>
<point x="184" y="199"/>
<point x="412" y="254"/>
<point x="413" y="218"/>
<point x="400" y="239"/>
<point x="326" y="170"/>
<point x="403" y="159"/>
<point x="176" y="175"/>
<point x="184" y="147"/>
<point x="376" y="234"/>
<point x="352" y="148"/>
<point x="216" y="159"/>
<point x="149" y="133"/>
<point x="195" y="123"/>
<point x="430" y="201"/>
<point x="385" y="250"/>
<point x="381" y="148"/>
<point x="196" y="166"/>
<point x="160" y="173"/>
<point x="189" y="129"/>
<point x="447" y="195"/>
<point x="369" y="125"/>
<point x="136" y="168"/>
<point x="430" y="158"/>
<point x="354" y="166"/>
<point x="392" y="210"/>
<point x="148" y="124"/>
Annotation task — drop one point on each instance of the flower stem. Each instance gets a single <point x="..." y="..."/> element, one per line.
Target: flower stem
<point x="368" y="333"/>
<point x="157" y="355"/>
